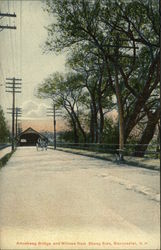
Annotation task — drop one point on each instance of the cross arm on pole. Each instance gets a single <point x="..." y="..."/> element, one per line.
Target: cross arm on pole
<point x="7" y="15"/>
<point x="7" y="27"/>
<point x="16" y="79"/>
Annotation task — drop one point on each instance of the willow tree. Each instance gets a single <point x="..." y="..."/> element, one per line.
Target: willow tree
<point x="121" y="31"/>
<point x="86" y="62"/>
<point x="66" y="92"/>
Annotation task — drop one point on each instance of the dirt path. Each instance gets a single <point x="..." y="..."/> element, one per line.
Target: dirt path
<point x="55" y="200"/>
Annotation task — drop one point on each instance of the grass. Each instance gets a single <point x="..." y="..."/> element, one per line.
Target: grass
<point x="132" y="161"/>
<point x="5" y="159"/>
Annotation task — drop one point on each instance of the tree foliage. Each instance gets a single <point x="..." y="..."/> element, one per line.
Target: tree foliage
<point x="114" y="53"/>
<point x="4" y="132"/>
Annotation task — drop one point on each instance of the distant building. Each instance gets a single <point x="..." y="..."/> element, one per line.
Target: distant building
<point x="29" y="137"/>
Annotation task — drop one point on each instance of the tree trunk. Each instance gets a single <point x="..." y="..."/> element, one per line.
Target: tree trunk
<point x="75" y="130"/>
<point x="149" y="86"/>
<point x="158" y="142"/>
<point x="148" y="133"/>
<point x="92" y="125"/>
<point x="94" y="122"/>
<point x="131" y="120"/>
<point x="121" y="116"/>
<point x="101" y="122"/>
<point x="76" y="137"/>
<point x="101" y="125"/>
<point x="79" y="125"/>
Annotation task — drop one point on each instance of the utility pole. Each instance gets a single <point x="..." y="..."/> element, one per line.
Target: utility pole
<point x="52" y="113"/>
<point x="18" y="113"/>
<point x="19" y="128"/>
<point x="160" y="68"/>
<point x="13" y="86"/>
<point x="54" y="120"/>
<point x="2" y="27"/>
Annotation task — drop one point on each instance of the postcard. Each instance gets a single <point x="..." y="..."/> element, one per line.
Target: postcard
<point x="79" y="124"/>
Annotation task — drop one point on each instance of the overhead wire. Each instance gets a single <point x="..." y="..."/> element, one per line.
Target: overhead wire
<point x="11" y="42"/>
<point x="11" y="57"/>
<point x="3" y="79"/>
<point x="19" y="45"/>
<point x="16" y="47"/>
<point x="21" y="9"/>
<point x="4" y="64"/>
<point x="4" y="40"/>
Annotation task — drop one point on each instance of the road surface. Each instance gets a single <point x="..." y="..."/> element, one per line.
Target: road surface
<point x="56" y="200"/>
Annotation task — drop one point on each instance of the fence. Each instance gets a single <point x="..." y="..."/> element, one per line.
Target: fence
<point x="4" y="145"/>
<point x="152" y="151"/>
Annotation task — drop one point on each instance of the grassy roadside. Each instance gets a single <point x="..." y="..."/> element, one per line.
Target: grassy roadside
<point x="153" y="164"/>
<point x="5" y="159"/>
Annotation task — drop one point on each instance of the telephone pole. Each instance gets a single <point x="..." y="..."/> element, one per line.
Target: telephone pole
<point x="13" y="86"/>
<point x="160" y="66"/>
<point x="2" y="27"/>
<point x="18" y="113"/>
<point x="54" y="127"/>
<point x="51" y="112"/>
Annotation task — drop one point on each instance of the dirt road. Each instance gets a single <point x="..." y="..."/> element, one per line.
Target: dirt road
<point x="56" y="200"/>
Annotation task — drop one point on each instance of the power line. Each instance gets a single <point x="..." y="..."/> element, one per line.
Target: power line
<point x="21" y="9"/>
<point x="15" y="43"/>
<point x="7" y="14"/>
<point x="6" y="96"/>
<point x="11" y="42"/>
<point x="2" y="73"/>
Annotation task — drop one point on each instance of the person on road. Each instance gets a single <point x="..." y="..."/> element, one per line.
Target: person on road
<point x="46" y="144"/>
<point x="43" y="144"/>
<point x="38" y="144"/>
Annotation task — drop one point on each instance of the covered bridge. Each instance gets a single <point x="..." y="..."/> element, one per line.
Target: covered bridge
<point x="29" y="137"/>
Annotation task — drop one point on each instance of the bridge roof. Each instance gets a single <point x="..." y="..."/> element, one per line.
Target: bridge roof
<point x="31" y="131"/>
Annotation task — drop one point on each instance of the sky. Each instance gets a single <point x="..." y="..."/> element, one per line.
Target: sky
<point x="22" y="56"/>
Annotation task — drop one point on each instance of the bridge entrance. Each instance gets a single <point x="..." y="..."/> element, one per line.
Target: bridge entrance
<point x="29" y="137"/>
